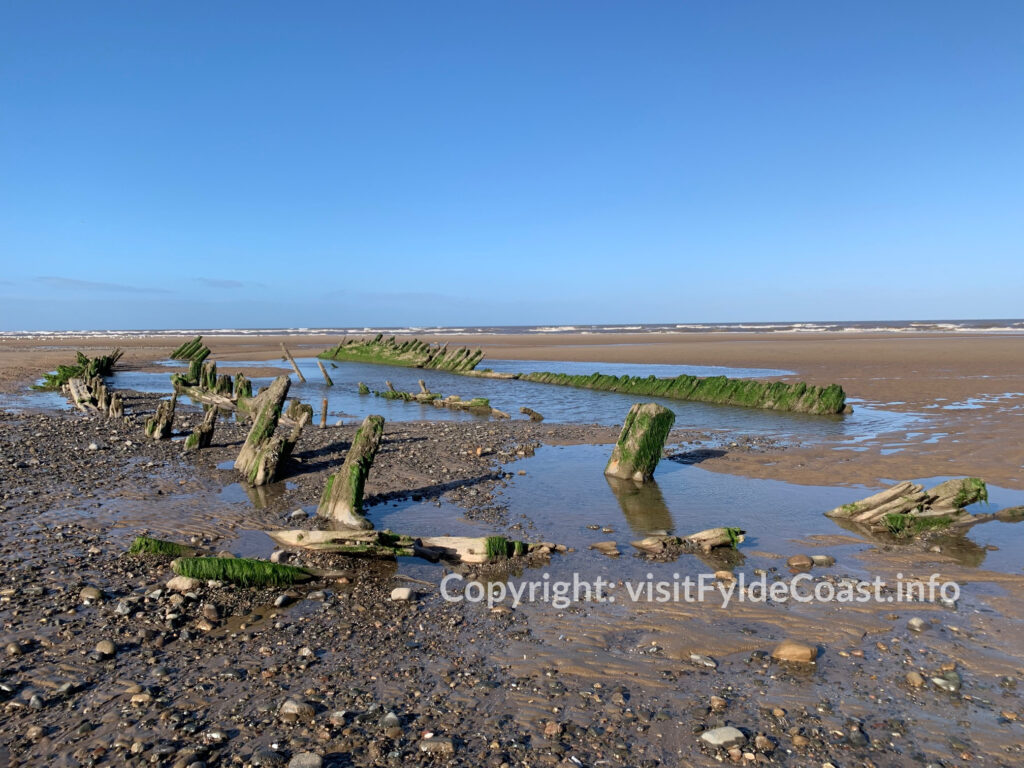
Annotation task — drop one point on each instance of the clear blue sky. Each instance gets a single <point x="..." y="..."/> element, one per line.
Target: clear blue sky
<point x="270" y="164"/>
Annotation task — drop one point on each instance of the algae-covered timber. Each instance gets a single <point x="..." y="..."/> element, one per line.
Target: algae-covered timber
<point x="263" y="450"/>
<point x="145" y="545"/>
<point x="639" y="447"/>
<point x="194" y="351"/>
<point x="778" y="395"/>
<point x="84" y="368"/>
<point x="239" y="570"/>
<point x="342" y="499"/>
<point x="411" y="354"/>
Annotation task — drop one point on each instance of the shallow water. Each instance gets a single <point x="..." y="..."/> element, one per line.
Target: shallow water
<point x="558" y="404"/>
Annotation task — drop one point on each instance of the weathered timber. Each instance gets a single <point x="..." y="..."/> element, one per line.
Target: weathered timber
<point x="159" y="425"/>
<point x="363" y="389"/>
<point x="327" y="378"/>
<point x="262" y="450"/>
<point x="412" y="353"/>
<point x="202" y="435"/>
<point x="907" y="509"/>
<point x="79" y="395"/>
<point x="323" y="414"/>
<point x="116" y="409"/>
<point x="702" y="541"/>
<point x="342" y="499"/>
<point x="369" y="543"/>
<point x="478" y="405"/>
<point x="240" y="570"/>
<point x="84" y="368"/>
<point x="243" y="387"/>
<point x="641" y="441"/>
<point x="194" y="351"/>
<point x="778" y="395"/>
<point x="534" y="416"/>
<point x="291" y="360"/>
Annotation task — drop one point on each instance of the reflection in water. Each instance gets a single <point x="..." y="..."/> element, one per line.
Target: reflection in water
<point x="958" y="548"/>
<point x="259" y="495"/>
<point x="643" y="505"/>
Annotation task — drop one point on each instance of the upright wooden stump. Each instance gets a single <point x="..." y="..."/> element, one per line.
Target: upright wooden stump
<point x="202" y="435"/>
<point x="159" y="425"/>
<point x="643" y="436"/>
<point x="342" y="499"/>
<point x="258" y="459"/>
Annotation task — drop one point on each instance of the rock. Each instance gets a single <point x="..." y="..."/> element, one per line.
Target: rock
<point x="297" y="708"/>
<point x="306" y="760"/>
<point x="790" y="650"/>
<point x="723" y="737"/>
<point x="800" y="741"/>
<point x="93" y="447"/>
<point x="950" y="681"/>
<point x="90" y="595"/>
<point x="401" y="594"/>
<point x="436" y="745"/>
<point x="264" y="757"/>
<point x="13" y="649"/>
<point x="34" y="732"/>
<point x="141" y="699"/>
<point x="915" y="679"/>
<point x="609" y="548"/>
<point x="823" y="561"/>
<point x="390" y="720"/>
<point x="552" y="729"/>
<point x="725" y="576"/>
<point x="298" y="514"/>
<point x="800" y="561"/>
<point x="703" y="661"/>
<point x="211" y="611"/>
<point x="106" y="648"/>
<point x="763" y="744"/>
<point x="282" y="600"/>
<point x="718" y="703"/>
<point x="917" y="625"/>
<point x="280" y="556"/>
<point x="184" y="584"/>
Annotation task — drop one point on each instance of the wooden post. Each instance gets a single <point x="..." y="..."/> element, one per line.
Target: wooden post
<point x="323" y="370"/>
<point x="641" y="442"/>
<point x="292" y="361"/>
<point x="202" y="435"/>
<point x="257" y="461"/>
<point x="423" y="388"/>
<point x="323" y="414"/>
<point x="342" y="499"/>
<point x="159" y="425"/>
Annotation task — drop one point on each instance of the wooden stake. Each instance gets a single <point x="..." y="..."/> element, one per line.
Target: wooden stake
<point x="324" y="372"/>
<point x="292" y="361"/>
<point x="323" y="414"/>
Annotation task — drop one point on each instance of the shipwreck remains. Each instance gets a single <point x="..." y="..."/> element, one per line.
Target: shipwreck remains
<point x="412" y="354"/>
<point x="264" y="450"/>
<point x="478" y="405"/>
<point x="192" y="351"/>
<point x="160" y="424"/>
<point x="907" y="509"/>
<point x="85" y="368"/>
<point x="342" y="499"/>
<point x="777" y="395"/>
<point x="643" y="436"/>
<point x="202" y="435"/>
<point x="386" y="544"/>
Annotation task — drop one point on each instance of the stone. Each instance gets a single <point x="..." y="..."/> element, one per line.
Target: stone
<point x="718" y="703"/>
<point x="915" y="679"/>
<point x="298" y="708"/>
<point x="917" y="625"/>
<point x="306" y="760"/>
<point x="13" y="649"/>
<point x="90" y="595"/>
<point x="401" y="594"/>
<point x="823" y="561"/>
<point x="790" y="650"/>
<point x="725" y="576"/>
<point x="390" y="720"/>
<point x="106" y="648"/>
<point x="437" y="745"/>
<point x="800" y="561"/>
<point x="184" y="584"/>
<point x="724" y="737"/>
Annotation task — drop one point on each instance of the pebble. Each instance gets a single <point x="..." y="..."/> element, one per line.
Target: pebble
<point x="790" y="650"/>
<point x="703" y="661"/>
<point x="823" y="561"/>
<point x="915" y="679"/>
<point x="390" y="720"/>
<point x="106" y="648"/>
<point x="306" y="760"/>
<point x="917" y="625"/>
<point x="184" y="584"/>
<point x="298" y="708"/>
<point x="723" y="737"/>
<point x="401" y="594"/>
<point x="437" y="745"/>
<point x="13" y="649"/>
<point x="264" y="757"/>
<point x="718" y="703"/>
<point x="90" y="595"/>
<point x="800" y="561"/>
<point x="93" y="447"/>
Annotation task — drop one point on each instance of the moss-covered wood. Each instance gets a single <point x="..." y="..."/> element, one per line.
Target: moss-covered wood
<point x="478" y="405"/>
<point x="777" y="395"/>
<point x="145" y="545"/>
<point x="412" y="353"/>
<point x="907" y="509"/>
<point x="386" y="544"/>
<point x="202" y="435"/>
<point x="262" y="451"/>
<point x="161" y="423"/>
<point x="239" y="570"/>
<point x="641" y="441"/>
<point x="84" y="368"/>
<point x="342" y="499"/>
<point x="193" y="350"/>
<point x="702" y="541"/>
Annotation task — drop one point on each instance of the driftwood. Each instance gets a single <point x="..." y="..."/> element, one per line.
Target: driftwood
<point x="342" y="499"/>
<point x="357" y="541"/>
<point x="291" y="360"/>
<point x="202" y="435"/>
<point x="258" y="460"/>
<point x="159" y="425"/>
<point x="638" y="450"/>
<point x="907" y="509"/>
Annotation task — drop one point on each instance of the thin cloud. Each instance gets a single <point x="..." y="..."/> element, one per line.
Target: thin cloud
<point x="75" y="284"/>
<point x="214" y="282"/>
